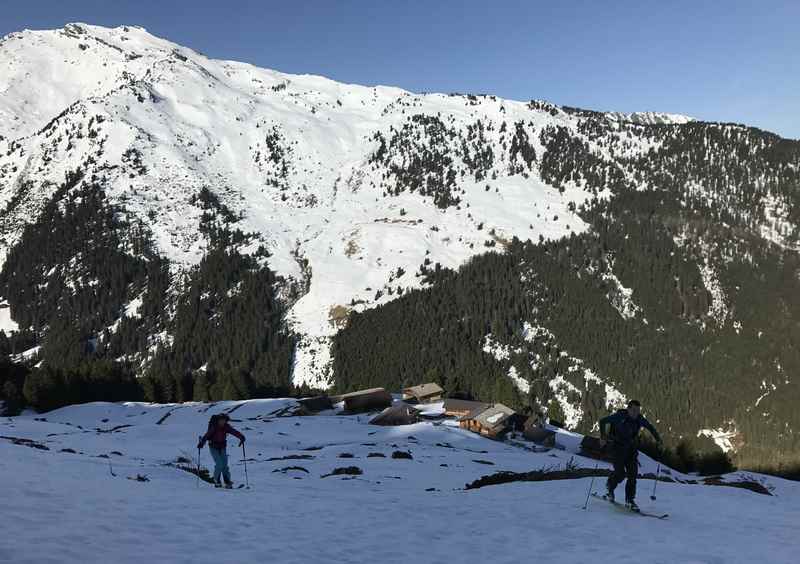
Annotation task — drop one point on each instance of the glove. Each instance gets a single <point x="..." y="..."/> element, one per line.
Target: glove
<point x="241" y="442"/>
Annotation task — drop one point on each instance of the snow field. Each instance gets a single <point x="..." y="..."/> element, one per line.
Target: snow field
<point x="64" y="507"/>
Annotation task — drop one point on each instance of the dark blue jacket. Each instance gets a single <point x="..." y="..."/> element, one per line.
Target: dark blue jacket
<point x="625" y="429"/>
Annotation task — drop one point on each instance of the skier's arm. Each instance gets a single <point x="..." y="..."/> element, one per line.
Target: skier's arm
<point x="649" y="426"/>
<point x="234" y="432"/>
<point x="204" y="438"/>
<point x="605" y="422"/>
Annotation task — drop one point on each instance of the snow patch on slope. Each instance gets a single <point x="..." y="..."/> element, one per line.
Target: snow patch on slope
<point x="567" y="394"/>
<point x="7" y="324"/>
<point x="621" y="297"/>
<point x="650" y="118"/>
<point x="521" y="383"/>
<point x="719" y="308"/>
<point x="777" y="228"/>
<point x="724" y="438"/>
<point x="502" y="352"/>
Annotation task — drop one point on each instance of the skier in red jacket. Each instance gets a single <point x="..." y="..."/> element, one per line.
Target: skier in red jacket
<point x="218" y="430"/>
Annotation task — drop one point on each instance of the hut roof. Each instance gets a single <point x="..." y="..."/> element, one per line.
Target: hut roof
<point x="316" y="403"/>
<point x="400" y="414"/>
<point x="494" y="416"/>
<point x="468" y="406"/>
<point x="423" y="390"/>
<point x="356" y="394"/>
<point x="359" y="393"/>
<point x="540" y="435"/>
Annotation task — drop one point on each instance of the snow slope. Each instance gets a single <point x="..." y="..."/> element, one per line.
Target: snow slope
<point x="80" y="507"/>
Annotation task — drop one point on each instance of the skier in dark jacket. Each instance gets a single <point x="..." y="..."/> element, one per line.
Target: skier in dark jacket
<point x="625" y="425"/>
<point x="218" y="430"/>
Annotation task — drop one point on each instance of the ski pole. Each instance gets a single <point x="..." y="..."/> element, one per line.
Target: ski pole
<point x="198" y="466"/>
<point x="591" y="485"/>
<point x="244" y="457"/>
<point x="658" y="469"/>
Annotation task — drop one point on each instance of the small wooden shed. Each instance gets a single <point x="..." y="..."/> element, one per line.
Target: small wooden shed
<point x="364" y="400"/>
<point x="400" y="414"/>
<point x="461" y="408"/>
<point x="424" y="393"/>
<point x="539" y="435"/>
<point x="492" y="422"/>
<point x="317" y="403"/>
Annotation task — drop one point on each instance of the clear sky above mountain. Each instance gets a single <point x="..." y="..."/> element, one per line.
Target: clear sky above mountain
<point x="723" y="61"/>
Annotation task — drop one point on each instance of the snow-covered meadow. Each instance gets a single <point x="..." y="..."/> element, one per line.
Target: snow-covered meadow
<point x="62" y="507"/>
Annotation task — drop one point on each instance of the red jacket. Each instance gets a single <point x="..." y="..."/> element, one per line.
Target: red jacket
<point x="217" y="436"/>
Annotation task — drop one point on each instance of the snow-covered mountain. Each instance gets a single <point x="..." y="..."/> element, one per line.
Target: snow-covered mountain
<point x="108" y="483"/>
<point x="148" y="194"/>
<point x="292" y="156"/>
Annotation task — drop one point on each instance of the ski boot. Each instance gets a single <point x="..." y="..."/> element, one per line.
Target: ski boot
<point x="610" y="495"/>
<point x="228" y="485"/>
<point x="631" y="504"/>
<point x="217" y="484"/>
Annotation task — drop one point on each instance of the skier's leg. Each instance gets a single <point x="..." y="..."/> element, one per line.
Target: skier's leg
<point x="218" y="463"/>
<point x="619" y="470"/>
<point x="632" y="472"/>
<point x="226" y="471"/>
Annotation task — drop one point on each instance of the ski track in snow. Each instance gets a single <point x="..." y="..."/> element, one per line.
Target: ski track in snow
<point x="67" y="508"/>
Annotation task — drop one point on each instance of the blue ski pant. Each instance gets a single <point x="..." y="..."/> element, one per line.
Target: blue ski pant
<point x="220" y="456"/>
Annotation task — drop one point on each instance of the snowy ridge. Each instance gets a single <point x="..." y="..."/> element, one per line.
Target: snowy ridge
<point x="76" y="495"/>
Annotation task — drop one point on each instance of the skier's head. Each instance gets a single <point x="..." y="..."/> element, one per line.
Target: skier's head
<point x="634" y="408"/>
<point x="218" y="420"/>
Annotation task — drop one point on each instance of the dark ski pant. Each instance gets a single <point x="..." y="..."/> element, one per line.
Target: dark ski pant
<point x="220" y="456"/>
<point x="626" y="465"/>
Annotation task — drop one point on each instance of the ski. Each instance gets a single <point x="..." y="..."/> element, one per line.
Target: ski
<point x="239" y="487"/>
<point x="623" y="508"/>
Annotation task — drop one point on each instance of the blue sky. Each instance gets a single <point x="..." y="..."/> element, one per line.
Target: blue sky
<point x="722" y="61"/>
